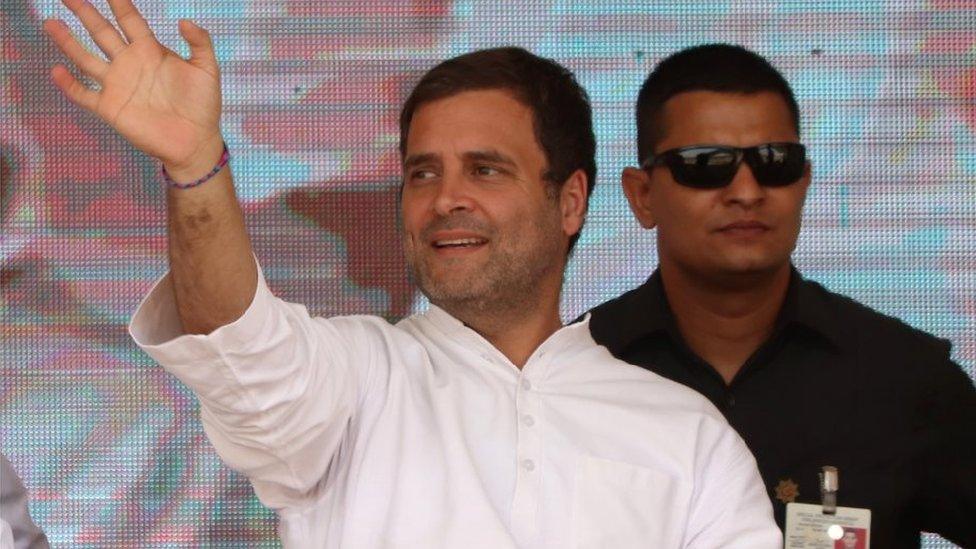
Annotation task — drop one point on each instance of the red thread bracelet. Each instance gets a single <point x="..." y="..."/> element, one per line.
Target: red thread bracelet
<point x="224" y="158"/>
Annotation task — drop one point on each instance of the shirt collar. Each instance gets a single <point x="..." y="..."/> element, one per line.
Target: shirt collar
<point x="455" y="330"/>
<point x="644" y="312"/>
<point x="569" y="338"/>
<point x="806" y="306"/>
<point x="639" y="313"/>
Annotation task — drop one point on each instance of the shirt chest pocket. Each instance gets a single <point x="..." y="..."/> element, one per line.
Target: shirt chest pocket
<point x="621" y="505"/>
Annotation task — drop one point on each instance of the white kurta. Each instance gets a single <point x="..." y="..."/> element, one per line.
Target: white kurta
<point x="363" y="434"/>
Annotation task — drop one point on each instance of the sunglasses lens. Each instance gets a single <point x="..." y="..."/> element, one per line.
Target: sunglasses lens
<point x="712" y="167"/>
<point x="703" y="167"/>
<point x="778" y="164"/>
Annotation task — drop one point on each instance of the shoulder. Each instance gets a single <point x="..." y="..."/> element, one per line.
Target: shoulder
<point x="360" y="322"/>
<point x="905" y="368"/>
<point x="686" y="422"/>
<point x="671" y="424"/>
<point x="366" y="334"/>
<point x="607" y="311"/>
<point x="859" y="326"/>
<point x="623" y="319"/>
<point x="640" y="387"/>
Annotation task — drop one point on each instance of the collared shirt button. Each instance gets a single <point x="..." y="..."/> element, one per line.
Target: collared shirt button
<point x="526" y="384"/>
<point x="528" y="464"/>
<point x="528" y="420"/>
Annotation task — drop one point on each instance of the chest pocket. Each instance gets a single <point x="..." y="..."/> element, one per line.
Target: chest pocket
<point x="624" y="506"/>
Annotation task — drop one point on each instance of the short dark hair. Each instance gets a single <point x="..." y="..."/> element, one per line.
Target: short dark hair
<point x="562" y="118"/>
<point x="709" y="67"/>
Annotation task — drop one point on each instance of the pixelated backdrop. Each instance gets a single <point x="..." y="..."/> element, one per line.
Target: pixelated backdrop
<point x="111" y="447"/>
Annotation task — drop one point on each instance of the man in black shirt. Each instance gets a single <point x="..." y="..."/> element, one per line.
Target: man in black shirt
<point x="808" y="377"/>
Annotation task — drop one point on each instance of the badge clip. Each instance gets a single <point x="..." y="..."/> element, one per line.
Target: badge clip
<point x="829" y="483"/>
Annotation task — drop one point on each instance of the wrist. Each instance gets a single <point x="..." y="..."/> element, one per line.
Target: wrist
<point x="180" y="183"/>
<point x="198" y="164"/>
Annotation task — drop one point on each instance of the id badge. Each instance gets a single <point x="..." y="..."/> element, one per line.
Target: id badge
<point x="808" y="527"/>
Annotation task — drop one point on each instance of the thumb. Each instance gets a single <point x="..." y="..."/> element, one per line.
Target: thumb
<point x="201" y="47"/>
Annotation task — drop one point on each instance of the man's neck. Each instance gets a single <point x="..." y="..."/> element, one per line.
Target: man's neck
<point x="517" y="329"/>
<point x="725" y="322"/>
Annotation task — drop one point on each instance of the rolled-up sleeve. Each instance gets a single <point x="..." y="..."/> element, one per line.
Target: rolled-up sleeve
<point x="277" y="388"/>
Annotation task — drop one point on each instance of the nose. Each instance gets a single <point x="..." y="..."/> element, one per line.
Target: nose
<point x="744" y="190"/>
<point x="453" y="195"/>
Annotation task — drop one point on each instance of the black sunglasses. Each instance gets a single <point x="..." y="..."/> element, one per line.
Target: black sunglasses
<point x="714" y="166"/>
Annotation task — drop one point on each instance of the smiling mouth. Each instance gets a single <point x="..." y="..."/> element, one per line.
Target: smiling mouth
<point x="459" y="243"/>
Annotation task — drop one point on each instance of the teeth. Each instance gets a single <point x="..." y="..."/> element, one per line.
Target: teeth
<point x="459" y="242"/>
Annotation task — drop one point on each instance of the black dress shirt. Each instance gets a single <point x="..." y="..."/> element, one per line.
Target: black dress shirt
<point x="835" y="384"/>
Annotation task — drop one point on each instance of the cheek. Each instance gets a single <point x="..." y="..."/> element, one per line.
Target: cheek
<point x="548" y="216"/>
<point x="684" y="215"/>
<point x="412" y="213"/>
<point x="791" y="204"/>
<point x="507" y="209"/>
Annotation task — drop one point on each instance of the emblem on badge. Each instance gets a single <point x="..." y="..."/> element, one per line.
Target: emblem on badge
<point x="787" y="490"/>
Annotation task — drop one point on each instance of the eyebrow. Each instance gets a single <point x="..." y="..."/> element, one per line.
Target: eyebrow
<point x="416" y="159"/>
<point x="490" y="155"/>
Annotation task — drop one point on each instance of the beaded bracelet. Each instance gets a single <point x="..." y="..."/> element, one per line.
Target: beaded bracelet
<point x="224" y="158"/>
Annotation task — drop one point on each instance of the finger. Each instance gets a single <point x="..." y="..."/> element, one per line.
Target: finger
<point x="201" y="46"/>
<point x="73" y="89"/>
<point x="69" y="45"/>
<point x="132" y="22"/>
<point x="102" y="32"/>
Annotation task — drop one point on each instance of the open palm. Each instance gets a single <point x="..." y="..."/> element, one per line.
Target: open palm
<point x="166" y="106"/>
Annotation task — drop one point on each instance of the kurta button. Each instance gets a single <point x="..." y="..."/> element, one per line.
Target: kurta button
<point x="528" y="420"/>
<point x="526" y="384"/>
<point x="730" y="400"/>
<point x="528" y="464"/>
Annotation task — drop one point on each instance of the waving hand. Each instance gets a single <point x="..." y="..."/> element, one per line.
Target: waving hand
<point x="166" y="106"/>
<point x="169" y="108"/>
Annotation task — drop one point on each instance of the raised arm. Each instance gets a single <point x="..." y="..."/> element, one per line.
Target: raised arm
<point x="169" y="108"/>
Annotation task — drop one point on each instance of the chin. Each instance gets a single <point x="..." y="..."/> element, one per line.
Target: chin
<point x="747" y="266"/>
<point x="450" y="289"/>
<point x="751" y="265"/>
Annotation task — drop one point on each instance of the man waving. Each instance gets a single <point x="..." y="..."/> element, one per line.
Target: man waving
<point x="481" y="423"/>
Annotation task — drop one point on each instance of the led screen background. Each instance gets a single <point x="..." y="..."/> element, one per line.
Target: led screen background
<point x="111" y="447"/>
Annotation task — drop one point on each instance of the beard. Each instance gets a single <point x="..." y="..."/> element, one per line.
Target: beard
<point x="503" y="282"/>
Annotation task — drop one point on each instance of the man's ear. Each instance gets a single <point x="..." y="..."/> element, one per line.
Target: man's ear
<point x="572" y="202"/>
<point x="637" y="188"/>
